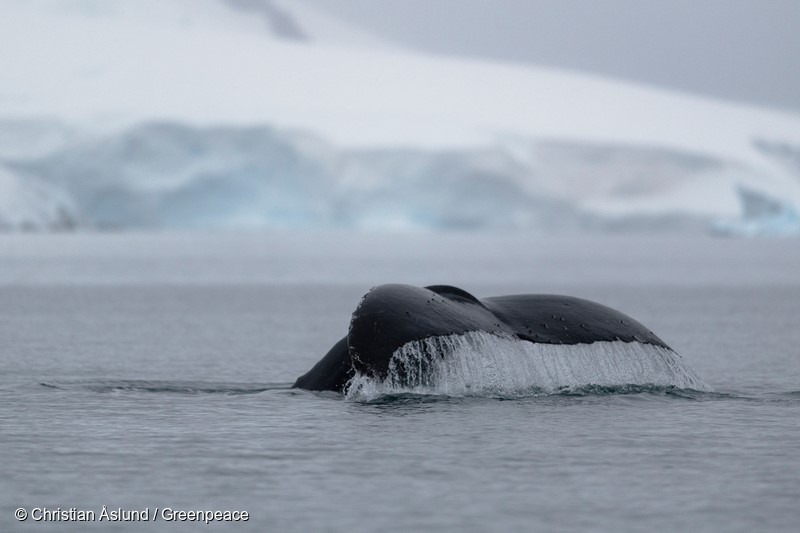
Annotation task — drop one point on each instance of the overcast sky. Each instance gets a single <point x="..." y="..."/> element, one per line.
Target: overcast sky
<point x="746" y="50"/>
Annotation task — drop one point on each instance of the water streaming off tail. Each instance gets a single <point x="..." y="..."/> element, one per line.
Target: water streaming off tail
<point x="483" y="364"/>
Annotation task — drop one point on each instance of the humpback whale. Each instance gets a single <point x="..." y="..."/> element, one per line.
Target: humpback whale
<point x="391" y="316"/>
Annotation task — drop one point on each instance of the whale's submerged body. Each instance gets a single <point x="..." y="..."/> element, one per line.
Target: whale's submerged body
<point x="441" y="335"/>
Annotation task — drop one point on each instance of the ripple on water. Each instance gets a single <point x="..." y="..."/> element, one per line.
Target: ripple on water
<point x="165" y="387"/>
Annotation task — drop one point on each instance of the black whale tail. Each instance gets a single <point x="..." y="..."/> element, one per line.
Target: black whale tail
<point x="394" y="316"/>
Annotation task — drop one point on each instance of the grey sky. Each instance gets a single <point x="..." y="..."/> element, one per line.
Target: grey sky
<point x="746" y="50"/>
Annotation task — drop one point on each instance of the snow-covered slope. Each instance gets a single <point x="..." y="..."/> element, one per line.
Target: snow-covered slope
<point x="390" y="120"/>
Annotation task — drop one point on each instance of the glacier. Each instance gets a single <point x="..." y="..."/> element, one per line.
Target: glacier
<point x="170" y="175"/>
<point x="761" y="216"/>
<point x="239" y="114"/>
<point x="28" y="204"/>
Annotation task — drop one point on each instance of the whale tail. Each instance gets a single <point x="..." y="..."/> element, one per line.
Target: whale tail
<point x="390" y="317"/>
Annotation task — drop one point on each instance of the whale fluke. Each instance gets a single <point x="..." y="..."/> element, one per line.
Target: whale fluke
<point x="391" y="316"/>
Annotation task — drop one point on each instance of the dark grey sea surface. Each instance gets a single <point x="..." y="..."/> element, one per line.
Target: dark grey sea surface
<point x="152" y="371"/>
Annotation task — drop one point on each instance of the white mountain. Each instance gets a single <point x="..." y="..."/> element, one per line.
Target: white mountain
<point x="271" y="113"/>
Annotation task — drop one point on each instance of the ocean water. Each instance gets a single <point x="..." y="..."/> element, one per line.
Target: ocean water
<point x="143" y="372"/>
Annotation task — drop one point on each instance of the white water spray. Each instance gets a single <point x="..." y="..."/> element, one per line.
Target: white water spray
<point x="484" y="364"/>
